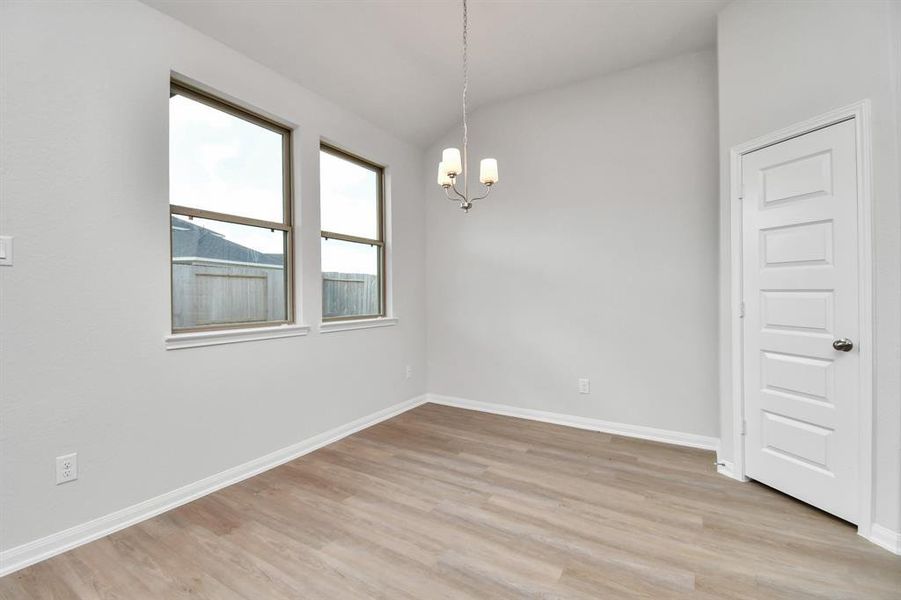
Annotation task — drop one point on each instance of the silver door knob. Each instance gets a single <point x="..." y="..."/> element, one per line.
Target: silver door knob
<point x="843" y="345"/>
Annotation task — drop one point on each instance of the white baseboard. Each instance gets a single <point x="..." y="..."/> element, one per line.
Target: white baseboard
<point x="727" y="468"/>
<point x="27" y="554"/>
<point x="885" y="538"/>
<point x="678" y="438"/>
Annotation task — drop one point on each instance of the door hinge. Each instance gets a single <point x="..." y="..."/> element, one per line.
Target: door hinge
<point x="744" y="427"/>
<point x="741" y="309"/>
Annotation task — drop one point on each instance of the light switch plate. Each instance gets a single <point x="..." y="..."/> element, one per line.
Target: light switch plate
<point x="6" y="251"/>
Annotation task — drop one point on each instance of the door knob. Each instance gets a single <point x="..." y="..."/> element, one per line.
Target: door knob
<point x="843" y="345"/>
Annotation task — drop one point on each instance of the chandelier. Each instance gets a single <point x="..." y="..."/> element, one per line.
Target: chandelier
<point x="452" y="165"/>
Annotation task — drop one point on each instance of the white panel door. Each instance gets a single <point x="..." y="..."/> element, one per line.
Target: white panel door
<point x="800" y="278"/>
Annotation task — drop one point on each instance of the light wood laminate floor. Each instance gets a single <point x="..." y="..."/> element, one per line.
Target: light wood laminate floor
<point x="447" y="503"/>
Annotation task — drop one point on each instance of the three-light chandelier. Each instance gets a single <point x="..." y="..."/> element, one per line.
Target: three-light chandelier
<point x="452" y="164"/>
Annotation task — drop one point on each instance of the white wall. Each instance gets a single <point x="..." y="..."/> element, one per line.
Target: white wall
<point x="86" y="306"/>
<point x="785" y="62"/>
<point x="595" y="256"/>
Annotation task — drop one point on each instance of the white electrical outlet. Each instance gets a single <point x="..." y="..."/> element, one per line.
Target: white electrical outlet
<point x="66" y="468"/>
<point x="584" y="385"/>
<point x="409" y="371"/>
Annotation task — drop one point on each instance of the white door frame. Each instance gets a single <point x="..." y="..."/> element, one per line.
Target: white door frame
<point x="860" y="113"/>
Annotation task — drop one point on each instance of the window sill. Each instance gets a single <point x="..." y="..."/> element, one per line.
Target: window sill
<point x="332" y="326"/>
<point x="196" y="339"/>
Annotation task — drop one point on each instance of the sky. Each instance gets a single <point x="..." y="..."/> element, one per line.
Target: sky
<point x="225" y="164"/>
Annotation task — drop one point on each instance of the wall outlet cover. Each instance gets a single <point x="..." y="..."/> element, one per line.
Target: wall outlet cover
<point x="584" y="386"/>
<point x="66" y="468"/>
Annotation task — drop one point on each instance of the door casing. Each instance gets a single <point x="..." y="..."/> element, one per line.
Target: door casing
<point x="733" y="371"/>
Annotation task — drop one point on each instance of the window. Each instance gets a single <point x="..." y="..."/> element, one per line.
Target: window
<point x="353" y="243"/>
<point x="230" y="215"/>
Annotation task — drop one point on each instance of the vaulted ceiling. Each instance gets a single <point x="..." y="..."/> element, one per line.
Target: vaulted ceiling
<point x="397" y="63"/>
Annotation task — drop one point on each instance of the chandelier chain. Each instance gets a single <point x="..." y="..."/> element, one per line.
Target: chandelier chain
<point x="465" y="85"/>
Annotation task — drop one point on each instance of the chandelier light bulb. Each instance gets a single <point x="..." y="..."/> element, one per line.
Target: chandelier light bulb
<point x="488" y="171"/>
<point x="444" y="179"/>
<point x="450" y="158"/>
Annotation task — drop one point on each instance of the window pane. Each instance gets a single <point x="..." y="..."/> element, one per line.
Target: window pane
<point x="222" y="163"/>
<point x="349" y="197"/>
<point x="226" y="273"/>
<point x="350" y="279"/>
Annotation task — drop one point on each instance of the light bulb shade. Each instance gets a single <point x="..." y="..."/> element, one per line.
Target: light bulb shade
<point x="488" y="171"/>
<point x="443" y="178"/>
<point x="451" y="160"/>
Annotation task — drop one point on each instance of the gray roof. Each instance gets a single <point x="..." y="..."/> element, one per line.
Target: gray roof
<point x="189" y="239"/>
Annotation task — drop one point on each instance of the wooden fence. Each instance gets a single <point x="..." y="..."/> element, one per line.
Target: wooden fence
<point x="207" y="292"/>
<point x="216" y="292"/>
<point x="346" y="294"/>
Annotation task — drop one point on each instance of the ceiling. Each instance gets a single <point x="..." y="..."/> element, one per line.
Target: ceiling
<point x="397" y="63"/>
